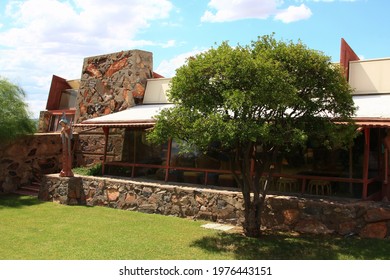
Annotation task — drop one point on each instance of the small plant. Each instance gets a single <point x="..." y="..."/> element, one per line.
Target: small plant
<point x="94" y="170"/>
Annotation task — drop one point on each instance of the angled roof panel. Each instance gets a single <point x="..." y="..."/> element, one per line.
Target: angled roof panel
<point x="58" y="84"/>
<point x="137" y="116"/>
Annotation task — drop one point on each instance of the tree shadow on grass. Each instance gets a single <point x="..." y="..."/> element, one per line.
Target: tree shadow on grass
<point x="18" y="201"/>
<point x="284" y="246"/>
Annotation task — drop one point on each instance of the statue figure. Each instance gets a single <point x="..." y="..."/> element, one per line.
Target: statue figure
<point x="66" y="137"/>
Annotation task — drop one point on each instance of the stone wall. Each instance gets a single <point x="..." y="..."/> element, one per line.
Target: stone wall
<point x="109" y="83"/>
<point x="27" y="158"/>
<point x="112" y="83"/>
<point x="287" y="213"/>
<point x="90" y="149"/>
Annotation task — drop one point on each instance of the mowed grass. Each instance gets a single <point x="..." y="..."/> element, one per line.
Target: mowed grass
<point x="35" y="230"/>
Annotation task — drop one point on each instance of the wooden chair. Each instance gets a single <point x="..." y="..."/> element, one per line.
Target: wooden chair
<point x="320" y="187"/>
<point x="287" y="184"/>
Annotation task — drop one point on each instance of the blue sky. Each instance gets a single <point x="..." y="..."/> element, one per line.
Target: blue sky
<point x="39" y="38"/>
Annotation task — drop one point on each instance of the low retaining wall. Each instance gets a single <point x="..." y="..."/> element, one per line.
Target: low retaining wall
<point x="25" y="159"/>
<point x="288" y="213"/>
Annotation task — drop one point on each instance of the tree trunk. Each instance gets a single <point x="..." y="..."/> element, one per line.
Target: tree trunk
<point x="255" y="194"/>
<point x="252" y="220"/>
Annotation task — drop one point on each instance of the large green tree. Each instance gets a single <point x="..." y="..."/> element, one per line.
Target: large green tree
<point x="15" y="120"/>
<point x="253" y="103"/>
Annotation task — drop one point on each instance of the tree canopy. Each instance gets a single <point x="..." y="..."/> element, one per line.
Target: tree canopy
<point x="253" y="103"/>
<point x="15" y="120"/>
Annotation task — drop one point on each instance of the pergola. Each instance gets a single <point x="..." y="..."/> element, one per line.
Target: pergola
<point x="141" y="117"/>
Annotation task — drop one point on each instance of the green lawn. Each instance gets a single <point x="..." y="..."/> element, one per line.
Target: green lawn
<point x="30" y="229"/>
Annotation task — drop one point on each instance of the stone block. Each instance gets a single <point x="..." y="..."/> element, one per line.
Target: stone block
<point x="347" y="227"/>
<point x="291" y="216"/>
<point x="377" y="214"/>
<point x="312" y="226"/>
<point x="112" y="194"/>
<point x="374" y="230"/>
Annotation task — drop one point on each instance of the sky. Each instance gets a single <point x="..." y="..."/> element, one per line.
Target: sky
<point x="42" y="38"/>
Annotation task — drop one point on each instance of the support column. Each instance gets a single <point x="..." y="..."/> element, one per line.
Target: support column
<point x="168" y="161"/>
<point x="106" y="131"/>
<point x="366" y="161"/>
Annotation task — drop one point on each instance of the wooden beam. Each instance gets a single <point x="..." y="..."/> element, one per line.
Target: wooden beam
<point x="106" y="131"/>
<point x="366" y="160"/>
<point x="168" y="160"/>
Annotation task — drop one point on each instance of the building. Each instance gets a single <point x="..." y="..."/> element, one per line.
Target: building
<point x="119" y="94"/>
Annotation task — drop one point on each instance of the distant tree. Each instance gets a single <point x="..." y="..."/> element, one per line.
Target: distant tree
<point x="254" y="103"/>
<point x="15" y="120"/>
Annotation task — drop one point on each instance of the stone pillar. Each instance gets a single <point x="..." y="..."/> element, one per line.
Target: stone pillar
<point x="112" y="83"/>
<point x="63" y="190"/>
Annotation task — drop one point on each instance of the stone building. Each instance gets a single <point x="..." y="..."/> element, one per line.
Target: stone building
<point x="115" y="83"/>
<point x="360" y="172"/>
<point x="109" y="83"/>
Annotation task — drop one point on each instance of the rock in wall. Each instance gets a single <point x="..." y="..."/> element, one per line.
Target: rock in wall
<point x="26" y="159"/>
<point x="112" y="83"/>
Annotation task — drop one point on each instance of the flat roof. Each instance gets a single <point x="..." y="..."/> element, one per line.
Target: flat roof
<point x="137" y="116"/>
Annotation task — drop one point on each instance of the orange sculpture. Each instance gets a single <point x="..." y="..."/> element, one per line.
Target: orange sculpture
<point x="66" y="137"/>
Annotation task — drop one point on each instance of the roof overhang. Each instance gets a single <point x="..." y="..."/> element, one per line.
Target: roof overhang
<point x="372" y="122"/>
<point x="139" y="116"/>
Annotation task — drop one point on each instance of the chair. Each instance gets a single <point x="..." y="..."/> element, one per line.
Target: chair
<point x="320" y="187"/>
<point x="226" y="179"/>
<point x="287" y="184"/>
<point x="270" y="184"/>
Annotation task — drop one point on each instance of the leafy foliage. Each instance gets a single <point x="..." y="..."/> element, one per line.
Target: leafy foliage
<point x="14" y="117"/>
<point x="253" y="103"/>
<point x="94" y="170"/>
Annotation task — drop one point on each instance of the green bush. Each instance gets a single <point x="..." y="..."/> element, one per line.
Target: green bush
<point x="94" y="170"/>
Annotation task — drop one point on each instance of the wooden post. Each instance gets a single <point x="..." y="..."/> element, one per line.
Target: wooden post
<point x="168" y="160"/>
<point x="106" y="131"/>
<point x="366" y="161"/>
<point x="350" y="169"/>
<point x="134" y="152"/>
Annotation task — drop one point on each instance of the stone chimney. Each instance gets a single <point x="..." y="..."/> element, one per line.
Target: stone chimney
<point x="112" y="83"/>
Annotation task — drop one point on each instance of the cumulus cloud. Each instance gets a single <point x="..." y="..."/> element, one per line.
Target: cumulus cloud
<point x="294" y="13"/>
<point x="167" y="68"/>
<point x="222" y="11"/>
<point x="39" y="38"/>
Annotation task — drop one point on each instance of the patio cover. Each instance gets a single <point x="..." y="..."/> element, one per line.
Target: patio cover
<point x="137" y="116"/>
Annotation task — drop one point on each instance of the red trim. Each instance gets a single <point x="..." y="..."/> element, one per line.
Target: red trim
<point x="157" y="76"/>
<point x="70" y="111"/>
<point x="346" y="55"/>
<point x="366" y="161"/>
<point x="58" y="85"/>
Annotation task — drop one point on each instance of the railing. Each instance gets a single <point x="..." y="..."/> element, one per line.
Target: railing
<point x="299" y="177"/>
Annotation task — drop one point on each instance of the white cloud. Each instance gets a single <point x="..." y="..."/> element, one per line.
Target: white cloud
<point x="326" y="1"/>
<point x="222" y="10"/>
<point x="167" y="68"/>
<point x="170" y="43"/>
<point x="294" y="13"/>
<point x="39" y="38"/>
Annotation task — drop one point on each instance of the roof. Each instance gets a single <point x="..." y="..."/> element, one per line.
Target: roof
<point x="372" y="110"/>
<point x="137" y="116"/>
<point x="372" y="106"/>
<point x="58" y="84"/>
